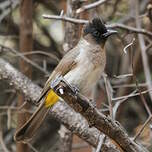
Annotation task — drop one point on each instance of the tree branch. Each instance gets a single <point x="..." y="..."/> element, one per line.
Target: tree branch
<point x="143" y="52"/>
<point x="91" y="6"/>
<point x="72" y="120"/>
<point x="105" y="124"/>
<point x="113" y="25"/>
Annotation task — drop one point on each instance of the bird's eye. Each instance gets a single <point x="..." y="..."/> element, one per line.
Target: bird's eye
<point x="96" y="33"/>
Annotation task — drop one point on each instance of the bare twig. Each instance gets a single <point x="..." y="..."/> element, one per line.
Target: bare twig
<point x="5" y="48"/>
<point x="129" y="85"/>
<point x="131" y="95"/>
<point x="130" y="29"/>
<point x="117" y="104"/>
<point x="52" y="56"/>
<point x="33" y="148"/>
<point x="128" y="45"/>
<point x="142" y="128"/>
<point x="2" y="143"/>
<point x="91" y="6"/>
<point x="8" y="118"/>
<point x="113" y="25"/>
<point x="123" y="76"/>
<point x="135" y="78"/>
<point x="101" y="140"/>
<point x="143" y="52"/>
<point x="109" y="94"/>
<point x="66" y="19"/>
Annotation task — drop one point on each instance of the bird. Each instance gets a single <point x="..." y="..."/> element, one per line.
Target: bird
<point x="81" y="67"/>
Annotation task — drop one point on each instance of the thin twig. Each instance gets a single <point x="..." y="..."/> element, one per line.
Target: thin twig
<point x="52" y="56"/>
<point x="142" y="128"/>
<point x="109" y="95"/>
<point x="113" y="25"/>
<point x="130" y="29"/>
<point x="33" y="148"/>
<point x="91" y="6"/>
<point x="117" y="104"/>
<point x="128" y="45"/>
<point x="123" y="76"/>
<point x="66" y="19"/>
<point x="5" y="48"/>
<point x="143" y="52"/>
<point x="9" y="118"/>
<point x="101" y="140"/>
<point x="148" y="47"/>
<point x="135" y="78"/>
<point x="131" y="95"/>
<point x="2" y="143"/>
<point x="129" y="85"/>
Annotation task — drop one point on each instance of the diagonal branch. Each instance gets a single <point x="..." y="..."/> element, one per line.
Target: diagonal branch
<point x="91" y="6"/>
<point x="72" y="120"/>
<point x="105" y="124"/>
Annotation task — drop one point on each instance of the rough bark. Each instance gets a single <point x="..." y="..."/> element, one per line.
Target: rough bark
<point x="72" y="120"/>
<point x="105" y="124"/>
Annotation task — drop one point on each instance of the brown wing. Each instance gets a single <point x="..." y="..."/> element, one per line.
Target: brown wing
<point x="65" y="65"/>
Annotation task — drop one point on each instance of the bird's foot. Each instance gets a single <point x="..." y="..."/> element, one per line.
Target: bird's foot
<point x="93" y="103"/>
<point x="56" y="81"/>
<point x="59" y="79"/>
<point x="75" y="89"/>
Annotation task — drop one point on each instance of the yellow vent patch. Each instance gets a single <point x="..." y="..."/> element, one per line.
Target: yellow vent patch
<point x="51" y="98"/>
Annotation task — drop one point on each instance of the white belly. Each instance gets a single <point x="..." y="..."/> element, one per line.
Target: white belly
<point x="84" y="77"/>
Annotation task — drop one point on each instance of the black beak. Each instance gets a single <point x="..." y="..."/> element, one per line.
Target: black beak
<point x="109" y="32"/>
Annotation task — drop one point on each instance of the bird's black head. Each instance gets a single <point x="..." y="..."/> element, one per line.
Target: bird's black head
<point x="98" y="30"/>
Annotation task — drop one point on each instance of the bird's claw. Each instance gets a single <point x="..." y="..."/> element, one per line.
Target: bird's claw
<point x="56" y="81"/>
<point x="93" y="103"/>
<point x="59" y="79"/>
<point x="75" y="89"/>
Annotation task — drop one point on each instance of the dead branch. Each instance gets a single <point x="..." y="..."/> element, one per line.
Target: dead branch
<point x="65" y="18"/>
<point x="143" y="127"/>
<point x="131" y="95"/>
<point x="131" y="29"/>
<point x="113" y="25"/>
<point x="91" y="6"/>
<point x="105" y="124"/>
<point x="22" y="56"/>
<point x="143" y="53"/>
<point x="67" y="116"/>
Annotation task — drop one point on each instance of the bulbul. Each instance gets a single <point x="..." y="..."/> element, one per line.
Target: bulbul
<point x="81" y="67"/>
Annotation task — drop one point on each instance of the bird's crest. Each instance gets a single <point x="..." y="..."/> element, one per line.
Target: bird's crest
<point x="97" y="29"/>
<point x="95" y="25"/>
